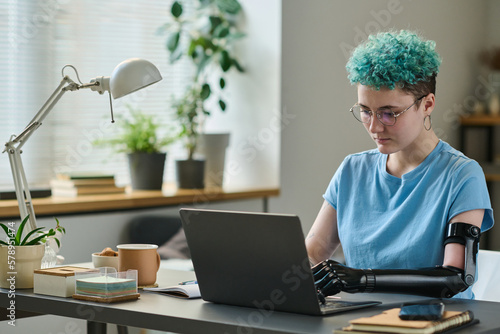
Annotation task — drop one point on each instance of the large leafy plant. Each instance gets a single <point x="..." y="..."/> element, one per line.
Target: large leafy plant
<point x="34" y="237"/>
<point x="206" y="36"/>
<point x="137" y="133"/>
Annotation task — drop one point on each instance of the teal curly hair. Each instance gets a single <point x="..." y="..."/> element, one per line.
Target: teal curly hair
<point x="390" y="59"/>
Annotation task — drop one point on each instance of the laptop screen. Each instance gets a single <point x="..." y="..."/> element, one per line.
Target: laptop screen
<point x="251" y="259"/>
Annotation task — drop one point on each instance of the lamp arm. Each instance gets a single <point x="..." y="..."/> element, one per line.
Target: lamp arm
<point x="15" y="143"/>
<point x="23" y="194"/>
<point x="129" y="72"/>
<point x="45" y="110"/>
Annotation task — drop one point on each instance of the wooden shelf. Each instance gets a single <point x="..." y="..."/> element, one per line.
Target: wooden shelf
<point x="491" y="171"/>
<point x="133" y="200"/>
<point x="479" y="120"/>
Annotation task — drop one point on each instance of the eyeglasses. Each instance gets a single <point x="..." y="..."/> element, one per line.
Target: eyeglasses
<point x="385" y="116"/>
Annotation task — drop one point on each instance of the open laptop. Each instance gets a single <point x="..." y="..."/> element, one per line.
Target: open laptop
<point x="255" y="260"/>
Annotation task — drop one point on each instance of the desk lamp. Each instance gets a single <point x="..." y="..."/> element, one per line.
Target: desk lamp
<point x="127" y="77"/>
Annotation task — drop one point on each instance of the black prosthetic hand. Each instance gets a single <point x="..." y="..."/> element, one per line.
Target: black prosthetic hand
<point x="332" y="277"/>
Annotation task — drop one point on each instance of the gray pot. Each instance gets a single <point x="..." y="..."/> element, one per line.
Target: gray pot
<point x="190" y="174"/>
<point x="146" y="170"/>
<point x="213" y="147"/>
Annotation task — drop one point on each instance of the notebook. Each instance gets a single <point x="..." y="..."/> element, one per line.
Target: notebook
<point x="256" y="260"/>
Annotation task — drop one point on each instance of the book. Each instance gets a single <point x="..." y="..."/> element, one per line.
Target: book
<point x="78" y="191"/>
<point x="70" y="183"/>
<point x="84" y="176"/>
<point x="389" y="322"/>
<point x="185" y="291"/>
<point x="35" y="193"/>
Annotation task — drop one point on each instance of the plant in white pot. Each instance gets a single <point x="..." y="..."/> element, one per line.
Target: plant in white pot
<point x="21" y="254"/>
<point x="139" y="137"/>
<point x="206" y="36"/>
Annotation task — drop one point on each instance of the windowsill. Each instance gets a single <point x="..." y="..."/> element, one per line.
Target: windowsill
<point x="133" y="200"/>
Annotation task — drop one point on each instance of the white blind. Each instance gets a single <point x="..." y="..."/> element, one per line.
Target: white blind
<point x="38" y="38"/>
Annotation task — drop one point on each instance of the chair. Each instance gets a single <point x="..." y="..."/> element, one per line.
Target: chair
<point x="487" y="287"/>
<point x="151" y="229"/>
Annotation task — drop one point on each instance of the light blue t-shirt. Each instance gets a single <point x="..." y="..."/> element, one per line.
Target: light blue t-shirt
<point x="388" y="222"/>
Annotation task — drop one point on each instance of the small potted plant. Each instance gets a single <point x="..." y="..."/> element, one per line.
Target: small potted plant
<point x="206" y="37"/>
<point x="190" y="172"/>
<point x="138" y="136"/>
<point x="23" y="254"/>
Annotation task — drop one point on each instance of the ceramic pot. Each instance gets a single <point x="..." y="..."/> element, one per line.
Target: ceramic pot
<point x="17" y="265"/>
<point x="146" y="170"/>
<point x="190" y="174"/>
<point x="213" y="147"/>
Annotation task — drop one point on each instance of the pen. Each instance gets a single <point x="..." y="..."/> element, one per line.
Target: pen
<point x="188" y="282"/>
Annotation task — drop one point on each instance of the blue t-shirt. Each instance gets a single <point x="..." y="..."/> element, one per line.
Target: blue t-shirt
<point x="388" y="222"/>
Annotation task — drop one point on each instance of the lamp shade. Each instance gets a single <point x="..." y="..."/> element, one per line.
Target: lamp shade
<point x="132" y="75"/>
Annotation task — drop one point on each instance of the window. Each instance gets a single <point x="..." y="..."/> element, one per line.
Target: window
<point x="38" y="39"/>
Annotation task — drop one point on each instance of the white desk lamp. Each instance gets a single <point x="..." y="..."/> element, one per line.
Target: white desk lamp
<point x="128" y="77"/>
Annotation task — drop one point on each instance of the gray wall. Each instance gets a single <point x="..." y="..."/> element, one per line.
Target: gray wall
<point x="316" y="92"/>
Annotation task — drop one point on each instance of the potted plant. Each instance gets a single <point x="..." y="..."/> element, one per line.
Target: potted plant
<point x="206" y="38"/>
<point x="138" y="137"/>
<point x="190" y="172"/>
<point x="23" y="254"/>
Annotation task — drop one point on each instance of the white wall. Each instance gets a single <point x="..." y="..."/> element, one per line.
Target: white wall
<point x="317" y="94"/>
<point x="253" y="101"/>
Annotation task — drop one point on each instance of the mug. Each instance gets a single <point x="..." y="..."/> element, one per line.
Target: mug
<point x="142" y="257"/>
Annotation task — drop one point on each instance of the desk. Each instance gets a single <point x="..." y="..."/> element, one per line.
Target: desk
<point x="170" y="196"/>
<point x="159" y="312"/>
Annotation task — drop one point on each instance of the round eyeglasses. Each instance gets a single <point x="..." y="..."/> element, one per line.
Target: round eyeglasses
<point x="385" y="116"/>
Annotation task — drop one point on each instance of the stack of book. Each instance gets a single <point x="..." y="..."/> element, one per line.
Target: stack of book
<point x="72" y="185"/>
<point x="389" y="322"/>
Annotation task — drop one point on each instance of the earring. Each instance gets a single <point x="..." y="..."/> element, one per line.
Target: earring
<point x="430" y="123"/>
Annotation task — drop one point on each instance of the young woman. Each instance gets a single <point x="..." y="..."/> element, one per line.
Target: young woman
<point x="413" y="208"/>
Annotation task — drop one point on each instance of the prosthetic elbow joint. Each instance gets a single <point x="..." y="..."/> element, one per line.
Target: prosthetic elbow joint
<point x="467" y="235"/>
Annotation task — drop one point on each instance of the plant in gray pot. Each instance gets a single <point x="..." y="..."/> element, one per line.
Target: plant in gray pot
<point x="138" y="137"/>
<point x="205" y="36"/>
<point x="190" y="172"/>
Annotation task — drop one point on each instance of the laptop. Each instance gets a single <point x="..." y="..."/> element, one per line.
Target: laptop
<point x="256" y="260"/>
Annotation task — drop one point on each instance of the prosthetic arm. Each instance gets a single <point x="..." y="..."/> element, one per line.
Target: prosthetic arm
<point x="332" y="277"/>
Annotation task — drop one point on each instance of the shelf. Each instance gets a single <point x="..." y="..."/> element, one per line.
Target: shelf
<point x="479" y="120"/>
<point x="133" y="200"/>
<point x="491" y="171"/>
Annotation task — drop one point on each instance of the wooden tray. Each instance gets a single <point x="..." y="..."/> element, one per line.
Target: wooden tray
<point x="133" y="296"/>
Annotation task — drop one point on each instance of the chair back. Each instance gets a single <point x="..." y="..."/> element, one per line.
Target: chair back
<point x="487" y="286"/>
<point x="151" y="229"/>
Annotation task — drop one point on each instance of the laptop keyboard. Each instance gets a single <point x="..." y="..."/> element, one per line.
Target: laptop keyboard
<point x="335" y="304"/>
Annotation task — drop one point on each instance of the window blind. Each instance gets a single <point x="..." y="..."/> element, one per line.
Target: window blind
<point x="38" y="39"/>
